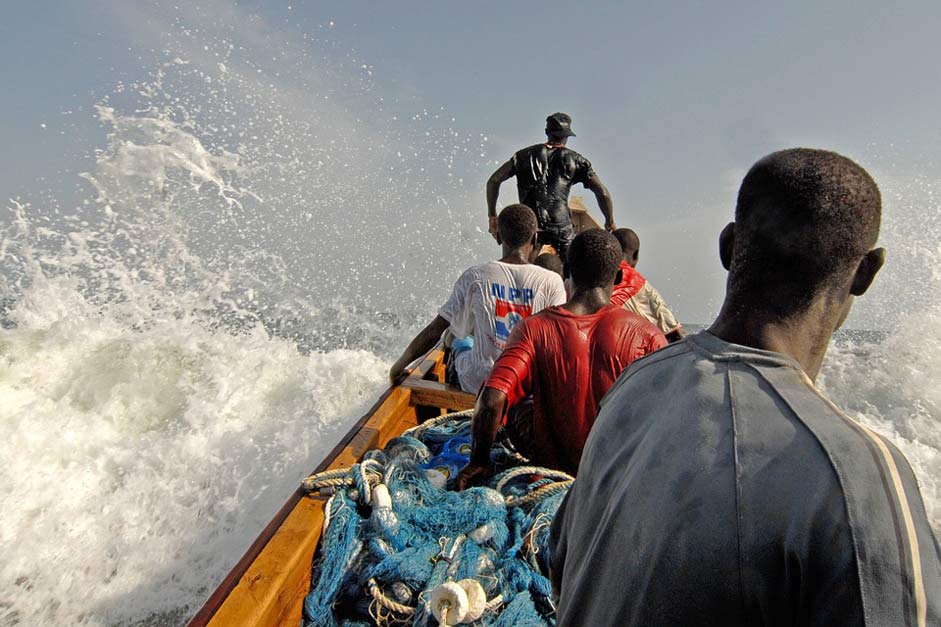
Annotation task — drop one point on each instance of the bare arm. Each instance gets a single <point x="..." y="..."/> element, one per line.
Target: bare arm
<point x="502" y="173"/>
<point x="604" y="200"/>
<point x="421" y="344"/>
<point x="487" y="417"/>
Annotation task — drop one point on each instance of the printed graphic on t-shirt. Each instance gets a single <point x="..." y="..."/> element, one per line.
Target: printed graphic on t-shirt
<point x="511" y="306"/>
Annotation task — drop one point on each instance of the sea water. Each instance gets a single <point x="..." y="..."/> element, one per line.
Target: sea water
<point x="185" y="342"/>
<point x="180" y="347"/>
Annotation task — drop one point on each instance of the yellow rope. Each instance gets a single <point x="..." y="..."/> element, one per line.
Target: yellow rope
<point x="414" y="432"/>
<point x="379" y="597"/>
<point x="341" y="478"/>
<point x="532" y="470"/>
<point x="539" y="494"/>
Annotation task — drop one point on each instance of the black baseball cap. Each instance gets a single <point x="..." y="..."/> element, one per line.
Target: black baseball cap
<point x="559" y="124"/>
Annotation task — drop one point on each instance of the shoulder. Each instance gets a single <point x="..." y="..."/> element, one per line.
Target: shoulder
<point x="651" y="291"/>
<point x="872" y="484"/>
<point x="529" y="270"/>
<point x="619" y="315"/>
<point x="577" y="157"/>
<point x="544" y="276"/>
<point x="474" y="275"/>
<point x="522" y="152"/>
<point x="542" y="320"/>
<point x="531" y="276"/>
<point x="555" y="282"/>
<point x="471" y="274"/>
<point x="869" y="466"/>
<point x="544" y="317"/>
<point x="673" y="356"/>
<point x="844" y="440"/>
<point x="486" y="269"/>
<point x="574" y="154"/>
<point x="632" y="274"/>
<point x="628" y="321"/>
<point x="536" y="325"/>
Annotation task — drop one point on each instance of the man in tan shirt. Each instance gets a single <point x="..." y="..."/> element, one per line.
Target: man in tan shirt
<point x="635" y="293"/>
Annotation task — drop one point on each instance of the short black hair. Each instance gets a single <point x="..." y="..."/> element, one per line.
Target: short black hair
<point x="628" y="240"/>
<point x="549" y="262"/>
<point x="516" y="225"/>
<point x="594" y="259"/>
<point x="803" y="217"/>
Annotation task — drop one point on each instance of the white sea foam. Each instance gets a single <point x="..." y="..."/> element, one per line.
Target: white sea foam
<point x="178" y="351"/>
<point x="892" y="386"/>
<point x="150" y="423"/>
<point x="889" y="379"/>
<point x="138" y="463"/>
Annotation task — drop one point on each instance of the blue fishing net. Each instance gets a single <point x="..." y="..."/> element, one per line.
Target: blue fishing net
<point x="381" y="565"/>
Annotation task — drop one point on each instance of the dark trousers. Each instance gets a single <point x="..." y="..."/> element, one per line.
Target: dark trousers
<point x="560" y="239"/>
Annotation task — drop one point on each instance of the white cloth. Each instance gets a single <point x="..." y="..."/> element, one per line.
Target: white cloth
<point x="487" y="302"/>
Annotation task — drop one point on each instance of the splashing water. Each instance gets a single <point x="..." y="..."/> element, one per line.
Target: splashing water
<point x="889" y="379"/>
<point x="186" y="344"/>
<point x="892" y="386"/>
<point x="181" y="348"/>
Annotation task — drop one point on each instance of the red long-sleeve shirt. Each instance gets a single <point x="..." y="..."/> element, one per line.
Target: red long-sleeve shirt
<point x="568" y="363"/>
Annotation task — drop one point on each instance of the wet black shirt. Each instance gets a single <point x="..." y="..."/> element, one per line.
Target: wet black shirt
<point x="544" y="176"/>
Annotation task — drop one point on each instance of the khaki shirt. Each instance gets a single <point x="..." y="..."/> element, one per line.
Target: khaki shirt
<point x="648" y="304"/>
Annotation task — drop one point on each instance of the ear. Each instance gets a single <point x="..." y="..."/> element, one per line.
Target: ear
<point x="618" y="277"/>
<point x="866" y="271"/>
<point x="727" y="245"/>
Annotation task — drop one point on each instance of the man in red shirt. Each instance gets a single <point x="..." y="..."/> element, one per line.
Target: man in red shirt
<point x="567" y="357"/>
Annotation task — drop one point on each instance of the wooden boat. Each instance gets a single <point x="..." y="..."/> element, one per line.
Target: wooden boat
<point x="268" y="585"/>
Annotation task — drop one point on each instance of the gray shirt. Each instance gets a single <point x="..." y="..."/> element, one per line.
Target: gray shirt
<point x="719" y="487"/>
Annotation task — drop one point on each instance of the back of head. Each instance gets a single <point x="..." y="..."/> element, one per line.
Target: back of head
<point x="549" y="262"/>
<point x="516" y="225"/>
<point x="559" y="127"/>
<point x="594" y="259"/>
<point x="629" y="241"/>
<point x="804" y="217"/>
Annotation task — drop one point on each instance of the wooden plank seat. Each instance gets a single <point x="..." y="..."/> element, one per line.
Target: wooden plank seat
<point x="434" y="394"/>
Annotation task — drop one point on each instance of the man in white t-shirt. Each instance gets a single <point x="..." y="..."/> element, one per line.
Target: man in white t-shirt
<point x="489" y="300"/>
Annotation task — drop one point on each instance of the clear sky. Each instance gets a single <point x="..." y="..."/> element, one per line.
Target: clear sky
<point x="671" y="101"/>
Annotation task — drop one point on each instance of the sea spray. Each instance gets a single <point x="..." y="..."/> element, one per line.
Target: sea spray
<point x="184" y="345"/>
<point x="888" y="377"/>
<point x="138" y="463"/>
<point x="256" y="238"/>
<point x="892" y="386"/>
<point x="149" y="422"/>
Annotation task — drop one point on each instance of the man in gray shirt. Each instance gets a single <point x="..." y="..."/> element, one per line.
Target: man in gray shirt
<point x="718" y="485"/>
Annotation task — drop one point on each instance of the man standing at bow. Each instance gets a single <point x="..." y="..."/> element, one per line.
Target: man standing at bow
<point x="544" y="175"/>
